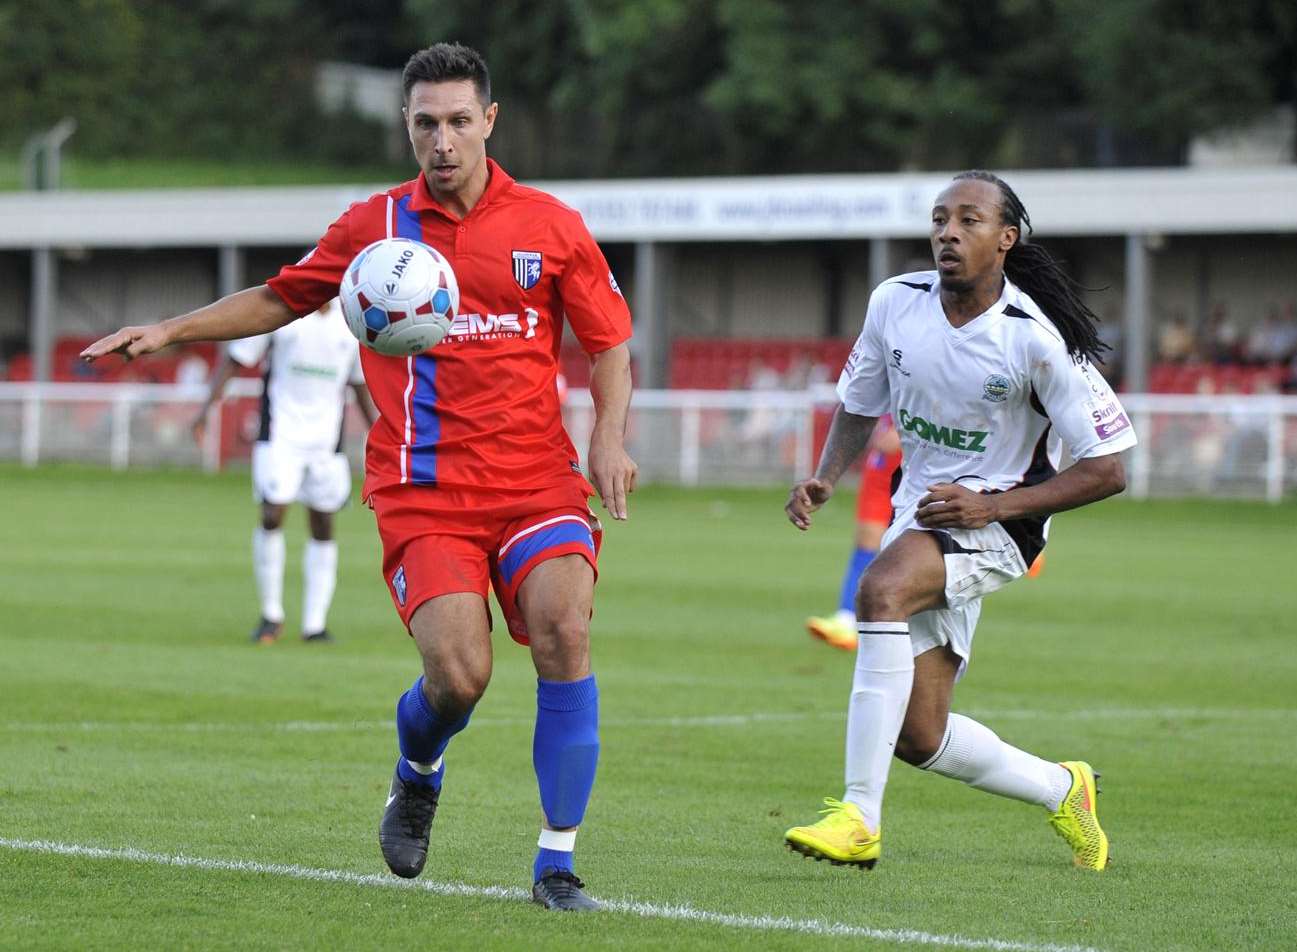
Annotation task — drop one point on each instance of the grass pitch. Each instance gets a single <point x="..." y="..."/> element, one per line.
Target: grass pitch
<point x="134" y="716"/>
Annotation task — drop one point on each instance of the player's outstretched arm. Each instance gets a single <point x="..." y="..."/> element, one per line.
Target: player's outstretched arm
<point x="365" y="403"/>
<point x="224" y="371"/>
<point x="246" y="313"/>
<point x="848" y="436"/>
<point x="612" y="470"/>
<point x="949" y="506"/>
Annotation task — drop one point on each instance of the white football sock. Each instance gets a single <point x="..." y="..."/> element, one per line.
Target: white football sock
<point x="319" y="577"/>
<point x="268" y="567"/>
<point x="426" y="769"/>
<point x="880" y="693"/>
<point x="972" y="752"/>
<point x="564" y="842"/>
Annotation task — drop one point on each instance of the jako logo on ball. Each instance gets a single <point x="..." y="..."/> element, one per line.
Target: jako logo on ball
<point x="399" y="297"/>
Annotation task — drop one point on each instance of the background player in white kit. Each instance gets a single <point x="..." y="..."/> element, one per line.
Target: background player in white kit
<point x="984" y="365"/>
<point x="298" y="455"/>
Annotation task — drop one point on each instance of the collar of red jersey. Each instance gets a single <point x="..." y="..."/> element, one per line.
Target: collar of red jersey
<point x="422" y="201"/>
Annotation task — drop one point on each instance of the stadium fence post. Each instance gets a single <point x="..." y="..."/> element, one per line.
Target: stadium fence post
<point x="690" y="444"/>
<point x="31" y="437"/>
<point x="211" y="449"/>
<point x="804" y="452"/>
<point x="119" y="442"/>
<point x="1274" y="454"/>
<point x="1139" y="458"/>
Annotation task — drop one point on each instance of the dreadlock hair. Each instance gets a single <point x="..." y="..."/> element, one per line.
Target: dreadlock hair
<point x="1035" y="270"/>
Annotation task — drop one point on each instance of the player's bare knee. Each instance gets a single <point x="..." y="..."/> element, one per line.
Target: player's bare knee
<point x="917" y="744"/>
<point x="560" y="646"/>
<point x="877" y="600"/>
<point x="455" y="681"/>
<point x="321" y="525"/>
<point x="455" y="692"/>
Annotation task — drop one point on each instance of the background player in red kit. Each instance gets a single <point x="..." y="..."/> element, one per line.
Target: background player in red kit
<point x="873" y="516"/>
<point x="472" y="478"/>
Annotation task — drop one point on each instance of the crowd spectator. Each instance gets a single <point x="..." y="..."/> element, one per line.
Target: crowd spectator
<point x="1274" y="339"/>
<point x="1221" y="341"/>
<point x="1176" y="342"/>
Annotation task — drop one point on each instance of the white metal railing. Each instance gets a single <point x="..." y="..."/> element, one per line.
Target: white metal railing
<point x="1189" y="445"/>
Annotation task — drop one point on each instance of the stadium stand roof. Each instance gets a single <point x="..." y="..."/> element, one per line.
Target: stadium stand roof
<point x="1078" y="202"/>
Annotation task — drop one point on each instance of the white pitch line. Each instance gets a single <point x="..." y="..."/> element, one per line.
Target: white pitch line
<point x="644" y="910"/>
<point x="701" y="720"/>
<point x="309" y="727"/>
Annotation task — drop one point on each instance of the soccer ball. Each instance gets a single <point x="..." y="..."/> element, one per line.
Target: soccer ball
<point x="399" y="297"/>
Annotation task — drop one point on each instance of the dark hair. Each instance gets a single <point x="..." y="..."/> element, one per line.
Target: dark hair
<point x="447" y="63"/>
<point x="1034" y="269"/>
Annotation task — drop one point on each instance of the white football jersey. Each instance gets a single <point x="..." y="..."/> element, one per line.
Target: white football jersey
<point x="988" y="405"/>
<point x="311" y="362"/>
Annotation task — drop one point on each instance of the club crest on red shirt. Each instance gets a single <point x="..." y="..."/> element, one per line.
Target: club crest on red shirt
<point x="526" y="268"/>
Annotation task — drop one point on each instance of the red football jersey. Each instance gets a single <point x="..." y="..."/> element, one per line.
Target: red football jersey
<point x="481" y="409"/>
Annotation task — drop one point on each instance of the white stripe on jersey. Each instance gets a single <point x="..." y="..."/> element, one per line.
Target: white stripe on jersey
<point x="405" y="404"/>
<point x="409" y="367"/>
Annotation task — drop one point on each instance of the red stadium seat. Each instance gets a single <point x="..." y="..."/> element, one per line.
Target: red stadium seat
<point x="724" y="363"/>
<point x="20" y="367"/>
<point x="1162" y="378"/>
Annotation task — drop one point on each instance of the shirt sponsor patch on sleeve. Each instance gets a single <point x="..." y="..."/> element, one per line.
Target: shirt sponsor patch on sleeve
<point x="1106" y="429"/>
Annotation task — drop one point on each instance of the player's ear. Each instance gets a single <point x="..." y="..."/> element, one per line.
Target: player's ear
<point x="1008" y="237"/>
<point x="491" y="112"/>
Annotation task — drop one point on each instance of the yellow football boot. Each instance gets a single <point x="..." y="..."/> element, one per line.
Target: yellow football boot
<point x="831" y="631"/>
<point x="1077" y="818"/>
<point x="841" y="837"/>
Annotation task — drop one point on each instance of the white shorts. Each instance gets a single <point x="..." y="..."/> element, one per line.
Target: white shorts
<point x="282" y="474"/>
<point x="978" y="562"/>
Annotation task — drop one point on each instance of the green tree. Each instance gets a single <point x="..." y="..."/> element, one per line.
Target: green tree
<point x="73" y="58"/>
<point x="667" y="87"/>
<point x="704" y="86"/>
<point x="209" y="78"/>
<point x="1162" y="71"/>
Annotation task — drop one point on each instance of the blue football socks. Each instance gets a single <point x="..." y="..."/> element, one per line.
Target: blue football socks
<point x="550" y="859"/>
<point x="423" y="735"/>
<point x="565" y="753"/>
<point x="860" y="560"/>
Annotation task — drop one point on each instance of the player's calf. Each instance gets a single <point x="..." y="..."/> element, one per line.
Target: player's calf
<point x="565" y="754"/>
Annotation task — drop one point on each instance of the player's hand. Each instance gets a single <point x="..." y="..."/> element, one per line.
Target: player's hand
<point x="804" y="498"/>
<point x="130" y="342"/>
<point x="613" y="473"/>
<point x="199" y="427"/>
<point x="948" y="506"/>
